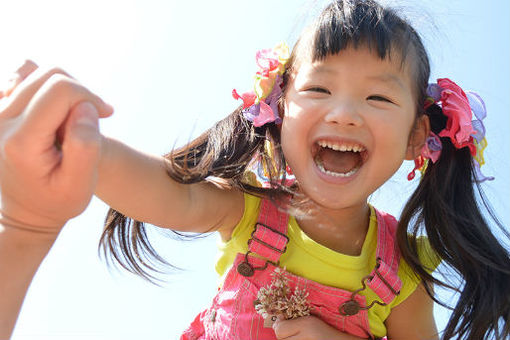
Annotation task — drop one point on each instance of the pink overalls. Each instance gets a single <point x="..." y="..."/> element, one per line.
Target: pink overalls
<point x="232" y="315"/>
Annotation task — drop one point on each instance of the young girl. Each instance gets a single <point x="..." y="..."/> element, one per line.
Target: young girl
<point x="341" y="113"/>
<point x="354" y="103"/>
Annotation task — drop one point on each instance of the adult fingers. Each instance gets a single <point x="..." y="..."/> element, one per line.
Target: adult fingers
<point x="80" y="155"/>
<point x="50" y="106"/>
<point x="19" y="75"/>
<point x="50" y="185"/>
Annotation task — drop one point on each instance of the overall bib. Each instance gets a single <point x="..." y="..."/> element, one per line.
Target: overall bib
<point x="232" y="315"/>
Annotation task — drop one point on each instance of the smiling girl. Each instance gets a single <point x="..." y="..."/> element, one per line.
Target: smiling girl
<point x="285" y="180"/>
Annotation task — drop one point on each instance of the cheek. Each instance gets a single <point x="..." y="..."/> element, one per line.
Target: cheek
<point x="293" y="138"/>
<point x="289" y="134"/>
<point x="393" y="135"/>
<point x="293" y="110"/>
<point x="294" y="122"/>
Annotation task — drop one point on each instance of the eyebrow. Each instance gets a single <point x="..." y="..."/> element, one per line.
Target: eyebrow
<point x="388" y="78"/>
<point x="385" y="77"/>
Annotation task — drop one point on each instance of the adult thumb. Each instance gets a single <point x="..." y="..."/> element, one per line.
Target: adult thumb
<point x="81" y="150"/>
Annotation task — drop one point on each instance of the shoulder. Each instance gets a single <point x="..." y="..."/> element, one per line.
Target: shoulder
<point x="410" y="280"/>
<point x="411" y="312"/>
<point x="428" y="257"/>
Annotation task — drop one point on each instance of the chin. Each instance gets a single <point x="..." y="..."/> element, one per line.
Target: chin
<point x="333" y="199"/>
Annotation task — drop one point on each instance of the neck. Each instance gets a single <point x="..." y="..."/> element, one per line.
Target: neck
<point x="342" y="230"/>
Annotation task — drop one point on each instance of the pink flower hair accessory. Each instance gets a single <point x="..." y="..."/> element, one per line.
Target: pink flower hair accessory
<point x="261" y="105"/>
<point x="431" y="150"/>
<point x="459" y="107"/>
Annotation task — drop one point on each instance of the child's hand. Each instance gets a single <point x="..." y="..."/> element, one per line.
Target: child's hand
<point x="308" y="328"/>
<point x="49" y="147"/>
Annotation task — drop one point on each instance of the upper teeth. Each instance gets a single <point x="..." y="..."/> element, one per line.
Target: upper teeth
<point x="342" y="147"/>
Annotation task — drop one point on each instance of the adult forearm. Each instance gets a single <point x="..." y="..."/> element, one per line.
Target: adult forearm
<point x="21" y="253"/>
<point x="49" y="137"/>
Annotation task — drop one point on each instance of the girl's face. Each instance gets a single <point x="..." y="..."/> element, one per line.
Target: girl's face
<point x="347" y="125"/>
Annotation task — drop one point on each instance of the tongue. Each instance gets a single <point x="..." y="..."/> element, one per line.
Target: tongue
<point x="339" y="161"/>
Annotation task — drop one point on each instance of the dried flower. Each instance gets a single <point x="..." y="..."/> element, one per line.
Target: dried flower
<point x="278" y="299"/>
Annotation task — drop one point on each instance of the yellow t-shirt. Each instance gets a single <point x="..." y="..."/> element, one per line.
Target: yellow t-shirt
<point x="309" y="259"/>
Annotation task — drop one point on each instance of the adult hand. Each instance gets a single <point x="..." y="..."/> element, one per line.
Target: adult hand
<point x="49" y="150"/>
<point x="308" y="328"/>
<point x="49" y="147"/>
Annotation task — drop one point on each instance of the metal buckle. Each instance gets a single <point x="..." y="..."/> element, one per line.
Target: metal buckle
<point x="246" y="269"/>
<point x="352" y="307"/>
<point x="253" y="238"/>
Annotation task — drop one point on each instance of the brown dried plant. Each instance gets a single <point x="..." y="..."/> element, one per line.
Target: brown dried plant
<point x="278" y="299"/>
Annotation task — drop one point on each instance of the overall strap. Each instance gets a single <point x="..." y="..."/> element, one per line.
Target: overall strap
<point x="385" y="281"/>
<point x="269" y="238"/>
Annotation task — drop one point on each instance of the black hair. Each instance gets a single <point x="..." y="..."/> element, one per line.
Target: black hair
<point x="444" y="205"/>
<point x="222" y="155"/>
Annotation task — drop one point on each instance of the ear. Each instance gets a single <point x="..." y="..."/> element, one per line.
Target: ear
<point x="418" y="137"/>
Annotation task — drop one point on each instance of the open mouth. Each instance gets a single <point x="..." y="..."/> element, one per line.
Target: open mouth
<point x="339" y="159"/>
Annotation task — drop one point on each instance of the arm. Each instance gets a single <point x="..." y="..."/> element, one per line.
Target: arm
<point x="21" y="253"/>
<point x="42" y="185"/>
<point x="413" y="318"/>
<point x="137" y="185"/>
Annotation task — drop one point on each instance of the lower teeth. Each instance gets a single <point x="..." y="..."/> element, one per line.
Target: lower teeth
<point x="336" y="174"/>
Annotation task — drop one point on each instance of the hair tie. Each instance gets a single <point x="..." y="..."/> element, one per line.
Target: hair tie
<point x="260" y="106"/>
<point x="459" y="107"/>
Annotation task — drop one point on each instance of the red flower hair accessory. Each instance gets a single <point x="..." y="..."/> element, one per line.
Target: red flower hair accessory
<point x="464" y="131"/>
<point x="261" y="105"/>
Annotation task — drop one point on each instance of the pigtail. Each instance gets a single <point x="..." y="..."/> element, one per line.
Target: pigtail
<point x="222" y="155"/>
<point x="445" y="204"/>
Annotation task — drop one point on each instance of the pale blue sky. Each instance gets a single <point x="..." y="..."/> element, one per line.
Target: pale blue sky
<point x="168" y="67"/>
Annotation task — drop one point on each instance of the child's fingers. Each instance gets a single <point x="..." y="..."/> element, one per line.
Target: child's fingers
<point x="19" y="75"/>
<point x="27" y="89"/>
<point x="285" y="329"/>
<point x="50" y="106"/>
<point x="23" y="93"/>
<point x="27" y="68"/>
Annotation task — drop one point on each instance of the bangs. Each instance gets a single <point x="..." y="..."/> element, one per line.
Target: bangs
<point x="364" y="24"/>
<point x="359" y="23"/>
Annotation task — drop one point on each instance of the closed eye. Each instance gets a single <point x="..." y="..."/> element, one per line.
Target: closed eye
<point x="379" y="98"/>
<point x="318" y="89"/>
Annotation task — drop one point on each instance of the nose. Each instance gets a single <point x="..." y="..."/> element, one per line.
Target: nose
<point x="344" y="114"/>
